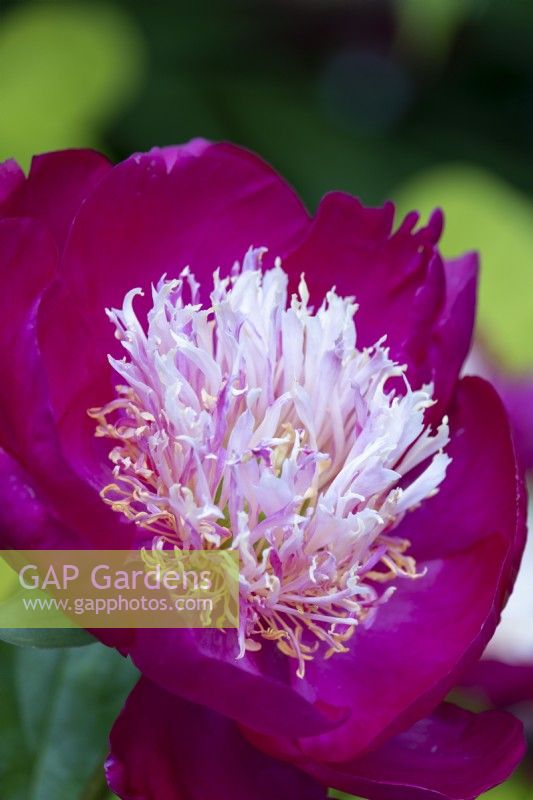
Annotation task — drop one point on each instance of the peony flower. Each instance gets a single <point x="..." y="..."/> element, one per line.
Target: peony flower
<point x="287" y="387"/>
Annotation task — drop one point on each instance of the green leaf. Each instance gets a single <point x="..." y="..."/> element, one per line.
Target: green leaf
<point x="57" y="707"/>
<point x="66" y="69"/>
<point x="46" y="638"/>
<point x="484" y="213"/>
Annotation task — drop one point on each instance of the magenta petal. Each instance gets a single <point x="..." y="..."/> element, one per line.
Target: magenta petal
<point x="260" y="690"/>
<point x="28" y="261"/>
<point x="28" y="257"/>
<point x="198" y="205"/>
<point x="11" y="178"/>
<point x="55" y="188"/>
<point x="452" y="755"/>
<point x="452" y="337"/>
<point x="164" y="748"/>
<point x="516" y="392"/>
<point x="397" y="278"/>
<point x="504" y="685"/>
<point x="79" y="377"/>
<point x="27" y="520"/>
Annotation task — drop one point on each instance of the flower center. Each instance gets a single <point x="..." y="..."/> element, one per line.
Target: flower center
<point x="257" y="424"/>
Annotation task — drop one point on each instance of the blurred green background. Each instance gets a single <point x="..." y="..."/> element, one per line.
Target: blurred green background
<point x="429" y="102"/>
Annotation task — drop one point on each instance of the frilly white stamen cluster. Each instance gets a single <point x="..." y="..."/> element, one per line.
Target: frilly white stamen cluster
<point x="257" y="424"/>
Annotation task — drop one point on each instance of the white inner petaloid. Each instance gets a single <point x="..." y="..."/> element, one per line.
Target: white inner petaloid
<point x="255" y="423"/>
